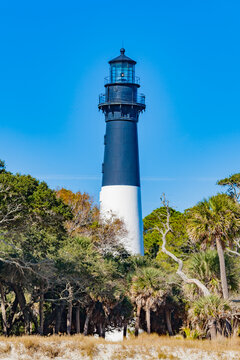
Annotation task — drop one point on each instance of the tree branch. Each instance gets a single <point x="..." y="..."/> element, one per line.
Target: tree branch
<point x="233" y="252"/>
<point x="166" y="229"/>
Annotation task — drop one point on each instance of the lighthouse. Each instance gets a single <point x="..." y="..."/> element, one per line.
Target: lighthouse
<point x="121" y="193"/>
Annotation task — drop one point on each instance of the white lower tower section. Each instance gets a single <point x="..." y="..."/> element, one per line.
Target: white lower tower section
<point x="125" y="202"/>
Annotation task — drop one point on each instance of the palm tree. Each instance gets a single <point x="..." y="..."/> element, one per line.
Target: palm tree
<point x="215" y="221"/>
<point x="148" y="289"/>
<point x="205" y="267"/>
<point x="207" y="312"/>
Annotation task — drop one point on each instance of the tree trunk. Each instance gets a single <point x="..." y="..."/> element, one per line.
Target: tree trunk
<point x="125" y="330"/>
<point x="137" y="323"/>
<point x="69" y="313"/>
<point x="78" y="319"/>
<point x="41" y="314"/>
<point x="228" y="328"/>
<point x="23" y="306"/>
<point x="3" y="309"/>
<point x="222" y="268"/>
<point x="103" y="331"/>
<point x="235" y="328"/>
<point x="100" y="329"/>
<point x="59" y="311"/>
<point x="12" y="314"/>
<point x="26" y="309"/>
<point x="148" y="318"/>
<point x="168" y="321"/>
<point x="86" y="324"/>
<point x="30" y="328"/>
<point x="213" y="329"/>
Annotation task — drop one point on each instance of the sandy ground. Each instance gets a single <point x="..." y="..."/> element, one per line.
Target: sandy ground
<point x="75" y="348"/>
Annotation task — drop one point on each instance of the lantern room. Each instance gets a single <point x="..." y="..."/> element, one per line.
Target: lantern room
<point x="122" y="69"/>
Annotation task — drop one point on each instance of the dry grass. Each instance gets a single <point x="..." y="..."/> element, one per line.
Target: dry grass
<point x="221" y="344"/>
<point x="143" y="347"/>
<point x="5" y="348"/>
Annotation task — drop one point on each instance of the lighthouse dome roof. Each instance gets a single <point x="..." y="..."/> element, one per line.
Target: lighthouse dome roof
<point x="122" y="58"/>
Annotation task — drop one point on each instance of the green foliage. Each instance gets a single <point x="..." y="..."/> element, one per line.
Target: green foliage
<point x="233" y="185"/>
<point x="219" y="216"/>
<point x="190" y="334"/>
<point x="55" y="254"/>
<point x="31" y="232"/>
<point x="92" y="277"/>
<point x="2" y="166"/>
<point x="215" y="222"/>
<point x="177" y="240"/>
<point x="210" y="307"/>
<point x="24" y="201"/>
<point x="209" y="311"/>
<point x="205" y="267"/>
<point x="148" y="281"/>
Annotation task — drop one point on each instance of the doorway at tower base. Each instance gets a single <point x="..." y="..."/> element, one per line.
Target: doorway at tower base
<point x="125" y="202"/>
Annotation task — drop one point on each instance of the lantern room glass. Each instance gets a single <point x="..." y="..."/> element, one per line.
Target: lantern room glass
<point x="122" y="72"/>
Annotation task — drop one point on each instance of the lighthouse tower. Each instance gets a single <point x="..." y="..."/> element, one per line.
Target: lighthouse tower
<point x="121" y="193"/>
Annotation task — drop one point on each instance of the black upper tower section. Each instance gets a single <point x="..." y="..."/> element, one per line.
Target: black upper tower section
<point x="121" y="105"/>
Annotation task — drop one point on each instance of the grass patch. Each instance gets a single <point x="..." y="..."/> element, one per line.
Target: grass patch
<point x="221" y="344"/>
<point x="162" y="355"/>
<point x="52" y="352"/>
<point x="31" y="344"/>
<point x="126" y="353"/>
<point x="145" y="346"/>
<point x="5" y="348"/>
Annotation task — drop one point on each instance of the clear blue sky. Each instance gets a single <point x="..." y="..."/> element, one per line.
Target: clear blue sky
<point x="53" y="60"/>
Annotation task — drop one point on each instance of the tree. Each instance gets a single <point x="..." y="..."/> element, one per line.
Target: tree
<point x="95" y="283"/>
<point x="76" y="261"/>
<point x="177" y="239"/>
<point x="25" y="203"/>
<point x="31" y="230"/>
<point x="205" y="267"/>
<point x="233" y="185"/>
<point x="2" y="166"/>
<point x="86" y="222"/>
<point x="164" y="230"/>
<point x="122" y="314"/>
<point x="207" y="312"/>
<point x="215" y="222"/>
<point x="84" y="211"/>
<point x="148" y="289"/>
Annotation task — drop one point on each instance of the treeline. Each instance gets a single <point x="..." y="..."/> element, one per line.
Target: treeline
<point x="64" y="271"/>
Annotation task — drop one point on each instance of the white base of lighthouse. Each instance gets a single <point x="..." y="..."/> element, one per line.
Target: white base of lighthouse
<point x="125" y="202"/>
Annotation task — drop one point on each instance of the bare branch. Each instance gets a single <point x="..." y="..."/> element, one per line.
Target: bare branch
<point x="180" y="272"/>
<point x="7" y="243"/>
<point x="233" y="252"/>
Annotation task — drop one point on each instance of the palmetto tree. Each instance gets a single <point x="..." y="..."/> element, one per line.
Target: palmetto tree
<point x="148" y="289"/>
<point x="215" y="221"/>
<point x="207" y="312"/>
<point x="205" y="267"/>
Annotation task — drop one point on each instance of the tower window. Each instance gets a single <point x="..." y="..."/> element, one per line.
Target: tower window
<point x="122" y="72"/>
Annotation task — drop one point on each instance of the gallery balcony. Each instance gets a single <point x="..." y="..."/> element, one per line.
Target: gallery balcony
<point x="122" y="79"/>
<point x="139" y="101"/>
